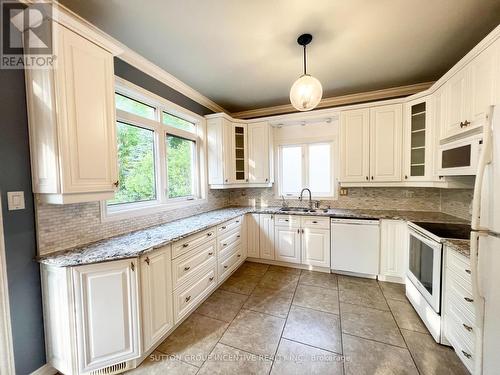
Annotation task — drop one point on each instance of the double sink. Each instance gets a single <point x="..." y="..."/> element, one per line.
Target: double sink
<point x="302" y="209"/>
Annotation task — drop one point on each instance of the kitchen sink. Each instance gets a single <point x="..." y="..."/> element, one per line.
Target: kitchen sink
<point x="302" y="209"/>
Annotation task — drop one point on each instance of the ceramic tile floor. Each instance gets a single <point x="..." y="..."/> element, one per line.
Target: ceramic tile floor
<point x="278" y="320"/>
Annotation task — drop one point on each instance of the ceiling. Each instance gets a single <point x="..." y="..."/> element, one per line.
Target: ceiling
<point x="243" y="54"/>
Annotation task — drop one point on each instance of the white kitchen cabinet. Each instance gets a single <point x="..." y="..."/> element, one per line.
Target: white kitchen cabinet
<point x="253" y="232"/>
<point x="259" y="152"/>
<point x="287" y="244"/>
<point x="239" y="153"/>
<point x="71" y="113"/>
<point x="106" y="313"/>
<point x="393" y="250"/>
<point x="386" y="135"/>
<point x="315" y="243"/>
<point x="156" y="301"/>
<point x="355" y="145"/>
<point x="266" y="236"/>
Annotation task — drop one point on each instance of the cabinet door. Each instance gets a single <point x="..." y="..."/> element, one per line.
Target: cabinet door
<point x="417" y="140"/>
<point x="227" y="152"/>
<point x="456" y="104"/>
<point x="484" y="84"/>
<point x="106" y="307"/>
<point x="266" y="236"/>
<point x="253" y="232"/>
<point x="85" y="92"/>
<point x="258" y="153"/>
<point x="393" y="249"/>
<point x="354" y="145"/>
<point x="156" y="287"/>
<point x="316" y="247"/>
<point x="239" y="154"/>
<point x="215" y="136"/>
<point x="386" y="139"/>
<point x="287" y="244"/>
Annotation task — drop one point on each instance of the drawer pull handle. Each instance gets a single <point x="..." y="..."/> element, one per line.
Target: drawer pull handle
<point x="238" y="236"/>
<point x="315" y="222"/>
<point x="187" y="268"/>
<point x="467" y="327"/>
<point x="466" y="354"/>
<point x="225" y="266"/>
<point x="468" y="271"/>
<point x="224" y="227"/>
<point x="209" y="234"/>
<point x="211" y="278"/>
<point x="211" y="253"/>
<point x="468" y="299"/>
<point x="185" y="245"/>
<point x="298" y="230"/>
<point x="188" y="298"/>
<point x="132" y="266"/>
<point x="147" y="260"/>
<point x="237" y="221"/>
<point x="286" y="219"/>
<point x="224" y="244"/>
<point x="239" y="255"/>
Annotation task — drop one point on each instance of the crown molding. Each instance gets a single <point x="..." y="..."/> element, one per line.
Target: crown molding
<point x="73" y="21"/>
<point x="335" y="101"/>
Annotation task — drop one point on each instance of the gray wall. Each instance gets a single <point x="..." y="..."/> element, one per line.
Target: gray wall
<point x="19" y="226"/>
<point x="134" y="75"/>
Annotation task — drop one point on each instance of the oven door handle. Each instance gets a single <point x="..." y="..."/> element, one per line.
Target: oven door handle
<point x="424" y="238"/>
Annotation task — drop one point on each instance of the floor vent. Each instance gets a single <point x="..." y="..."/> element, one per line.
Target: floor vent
<point x="110" y="370"/>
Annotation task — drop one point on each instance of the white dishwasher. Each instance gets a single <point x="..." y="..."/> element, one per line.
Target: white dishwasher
<point x="355" y="246"/>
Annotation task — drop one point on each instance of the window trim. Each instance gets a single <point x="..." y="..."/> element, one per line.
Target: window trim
<point x="333" y="194"/>
<point x="162" y="203"/>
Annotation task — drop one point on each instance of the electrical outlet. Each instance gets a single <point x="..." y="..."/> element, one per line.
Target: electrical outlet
<point x="343" y="191"/>
<point x="15" y="200"/>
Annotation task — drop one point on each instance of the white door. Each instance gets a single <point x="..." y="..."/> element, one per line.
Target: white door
<point x="266" y="236"/>
<point x="215" y="136"/>
<point x="253" y="232"/>
<point x="456" y="106"/>
<point x="386" y="138"/>
<point x="287" y="244"/>
<point x="85" y="78"/>
<point x="157" y="302"/>
<point x="316" y="247"/>
<point x="393" y="249"/>
<point x="239" y="154"/>
<point x="227" y="151"/>
<point x="106" y="307"/>
<point x="258" y="153"/>
<point x="355" y="145"/>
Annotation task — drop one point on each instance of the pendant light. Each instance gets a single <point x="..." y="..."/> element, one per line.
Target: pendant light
<point x="306" y="92"/>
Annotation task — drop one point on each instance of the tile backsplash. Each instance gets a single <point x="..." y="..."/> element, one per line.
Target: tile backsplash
<point x="61" y="227"/>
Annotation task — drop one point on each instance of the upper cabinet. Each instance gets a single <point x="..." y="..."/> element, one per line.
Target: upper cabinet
<point x="72" y="122"/>
<point x="469" y="93"/>
<point x="371" y="144"/>
<point x="239" y="153"/>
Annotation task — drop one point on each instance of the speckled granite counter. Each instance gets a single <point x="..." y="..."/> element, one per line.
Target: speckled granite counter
<point x="140" y="242"/>
<point x="460" y="246"/>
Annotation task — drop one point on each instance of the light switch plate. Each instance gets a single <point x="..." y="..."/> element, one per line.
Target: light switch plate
<point x="343" y="191"/>
<point x="15" y="200"/>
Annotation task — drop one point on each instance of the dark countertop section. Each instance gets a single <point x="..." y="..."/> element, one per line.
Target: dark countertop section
<point x="460" y="246"/>
<point x="137" y="243"/>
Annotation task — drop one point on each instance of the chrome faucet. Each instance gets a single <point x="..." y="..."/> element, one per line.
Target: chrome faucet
<point x="284" y="203"/>
<point x="310" y="197"/>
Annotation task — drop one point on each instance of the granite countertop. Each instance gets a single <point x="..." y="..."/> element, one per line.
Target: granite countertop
<point x="137" y="243"/>
<point x="460" y="246"/>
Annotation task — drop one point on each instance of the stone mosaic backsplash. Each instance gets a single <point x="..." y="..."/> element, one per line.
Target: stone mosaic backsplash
<point x="457" y="202"/>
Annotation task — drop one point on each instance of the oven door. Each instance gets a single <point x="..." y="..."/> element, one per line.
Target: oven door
<point x="424" y="268"/>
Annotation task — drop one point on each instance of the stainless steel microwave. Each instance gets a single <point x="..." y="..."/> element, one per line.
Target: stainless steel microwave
<point x="460" y="158"/>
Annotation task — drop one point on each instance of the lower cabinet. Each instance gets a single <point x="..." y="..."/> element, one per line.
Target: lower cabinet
<point x="266" y="236"/>
<point x="393" y="250"/>
<point x="156" y="293"/>
<point x="316" y="247"/>
<point x="287" y="244"/>
<point x="253" y="239"/>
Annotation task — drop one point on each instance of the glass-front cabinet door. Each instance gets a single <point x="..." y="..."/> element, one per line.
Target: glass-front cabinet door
<point x="417" y="139"/>
<point x="240" y="170"/>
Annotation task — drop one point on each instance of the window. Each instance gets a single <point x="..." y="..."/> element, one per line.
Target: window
<point x="158" y="155"/>
<point x="306" y="166"/>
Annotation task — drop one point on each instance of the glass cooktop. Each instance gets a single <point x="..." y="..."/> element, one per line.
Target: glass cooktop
<point x="446" y="230"/>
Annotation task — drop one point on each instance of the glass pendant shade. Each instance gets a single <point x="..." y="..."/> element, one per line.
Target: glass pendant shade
<point x="306" y="93"/>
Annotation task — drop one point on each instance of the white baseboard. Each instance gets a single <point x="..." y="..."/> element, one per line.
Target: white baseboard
<point x="45" y="370"/>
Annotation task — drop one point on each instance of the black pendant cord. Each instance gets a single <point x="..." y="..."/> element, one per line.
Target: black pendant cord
<point x="305" y="63"/>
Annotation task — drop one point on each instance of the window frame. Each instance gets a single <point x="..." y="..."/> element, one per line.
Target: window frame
<point x="161" y="130"/>
<point x="304" y="144"/>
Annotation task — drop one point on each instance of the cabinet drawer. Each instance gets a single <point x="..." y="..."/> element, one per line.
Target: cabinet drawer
<point x="229" y="225"/>
<point x="230" y="263"/>
<point x="188" y="264"/>
<point x="188" y="296"/>
<point x="316" y="222"/>
<point x="465" y="353"/>
<point x="461" y="323"/>
<point x="228" y="238"/>
<point x="289" y="221"/>
<point x="460" y="267"/>
<point x="462" y="297"/>
<point x="227" y="251"/>
<point x="183" y="246"/>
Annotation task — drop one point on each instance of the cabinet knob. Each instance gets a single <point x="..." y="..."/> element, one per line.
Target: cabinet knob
<point x="224" y="244"/>
<point x="468" y="271"/>
<point x="406" y="177"/>
<point x="246" y="180"/>
<point x="132" y="266"/>
<point x="211" y="253"/>
<point x="468" y="299"/>
<point x="315" y="222"/>
<point x="267" y="179"/>
<point x="239" y="255"/>
<point x="238" y="236"/>
<point x="188" y="298"/>
<point x="302" y="231"/>
<point x="187" y="268"/>
<point x="298" y="231"/>
<point x="225" y="180"/>
<point x="367" y="178"/>
<point x="466" y="123"/>
<point x="466" y="354"/>
<point x="211" y="278"/>
<point x="147" y="260"/>
<point x="209" y="234"/>
<point x="467" y="327"/>
<point x="461" y="124"/>
<point x="185" y="245"/>
<point x="223" y="227"/>
<point x="116" y="183"/>
<point x="225" y="266"/>
<point x="372" y="177"/>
